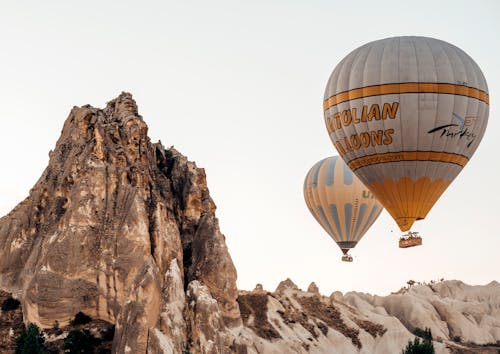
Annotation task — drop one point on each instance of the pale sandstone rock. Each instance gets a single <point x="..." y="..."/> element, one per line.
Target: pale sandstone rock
<point x="286" y="284"/>
<point x="306" y="322"/>
<point x="258" y="287"/>
<point x="116" y="227"/>
<point x="125" y="231"/>
<point x="313" y="288"/>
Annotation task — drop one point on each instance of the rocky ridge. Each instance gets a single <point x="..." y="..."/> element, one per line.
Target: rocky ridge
<point x="290" y="320"/>
<point x="125" y="231"/>
<point x="462" y="318"/>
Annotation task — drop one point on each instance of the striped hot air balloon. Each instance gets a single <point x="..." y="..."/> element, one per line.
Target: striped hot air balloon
<point x="406" y="114"/>
<point x="341" y="204"/>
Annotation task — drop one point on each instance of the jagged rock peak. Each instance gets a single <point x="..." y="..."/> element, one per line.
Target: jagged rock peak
<point x="336" y="296"/>
<point x="122" y="105"/>
<point x="125" y="231"/>
<point x="286" y="284"/>
<point x="313" y="288"/>
<point x="258" y="287"/>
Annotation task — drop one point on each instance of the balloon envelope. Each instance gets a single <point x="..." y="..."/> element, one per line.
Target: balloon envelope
<point x="338" y="200"/>
<point x="406" y="114"/>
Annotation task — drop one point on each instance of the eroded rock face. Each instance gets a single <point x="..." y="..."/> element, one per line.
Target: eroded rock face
<point x="463" y="319"/>
<point x="125" y="231"/>
<point x="118" y="228"/>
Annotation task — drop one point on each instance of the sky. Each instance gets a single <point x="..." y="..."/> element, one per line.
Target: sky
<point x="237" y="87"/>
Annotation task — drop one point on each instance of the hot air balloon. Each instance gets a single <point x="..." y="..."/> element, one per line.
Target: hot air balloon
<point x="406" y="114"/>
<point x="341" y="204"/>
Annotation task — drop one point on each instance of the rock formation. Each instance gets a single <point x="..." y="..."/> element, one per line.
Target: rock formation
<point x="463" y="319"/>
<point x="125" y="231"/>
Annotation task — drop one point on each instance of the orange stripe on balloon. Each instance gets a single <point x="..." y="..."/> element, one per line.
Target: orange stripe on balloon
<point x="410" y="199"/>
<point x="364" y="161"/>
<point x="407" y="87"/>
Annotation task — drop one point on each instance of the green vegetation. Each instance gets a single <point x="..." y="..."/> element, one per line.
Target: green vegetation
<point x="417" y="347"/>
<point x="80" y="342"/>
<point x="30" y="341"/>
<point x="420" y="347"/>
<point x="425" y="334"/>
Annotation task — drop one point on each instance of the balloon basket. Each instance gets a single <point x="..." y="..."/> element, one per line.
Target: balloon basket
<point x="346" y="258"/>
<point x="411" y="239"/>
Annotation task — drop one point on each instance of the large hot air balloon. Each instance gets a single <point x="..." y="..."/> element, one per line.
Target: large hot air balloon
<point x="406" y="114"/>
<point x="338" y="200"/>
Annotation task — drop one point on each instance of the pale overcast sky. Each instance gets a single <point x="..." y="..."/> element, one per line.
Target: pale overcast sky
<point x="238" y="87"/>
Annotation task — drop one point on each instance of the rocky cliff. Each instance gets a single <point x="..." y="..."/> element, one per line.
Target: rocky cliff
<point x="125" y="231"/>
